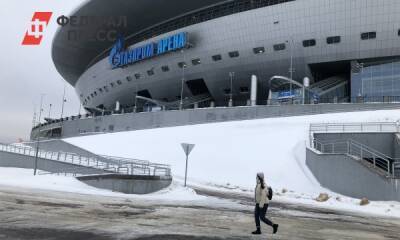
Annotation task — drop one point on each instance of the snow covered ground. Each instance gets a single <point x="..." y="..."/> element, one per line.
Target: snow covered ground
<point x="230" y="154"/>
<point x="23" y="178"/>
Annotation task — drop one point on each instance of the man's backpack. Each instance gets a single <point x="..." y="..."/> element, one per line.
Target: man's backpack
<point x="270" y="193"/>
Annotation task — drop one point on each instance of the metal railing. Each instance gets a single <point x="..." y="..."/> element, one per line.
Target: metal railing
<point x="240" y="103"/>
<point x="107" y="164"/>
<point x="369" y="127"/>
<point x="389" y="127"/>
<point x="375" y="159"/>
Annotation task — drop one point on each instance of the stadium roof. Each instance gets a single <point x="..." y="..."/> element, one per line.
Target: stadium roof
<point x="72" y="56"/>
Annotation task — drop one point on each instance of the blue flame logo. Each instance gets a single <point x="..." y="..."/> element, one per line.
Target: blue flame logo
<point x="114" y="57"/>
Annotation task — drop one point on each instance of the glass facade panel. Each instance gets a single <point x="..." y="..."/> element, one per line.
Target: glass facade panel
<point x="374" y="83"/>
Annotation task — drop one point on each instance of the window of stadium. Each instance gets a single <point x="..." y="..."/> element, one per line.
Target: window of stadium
<point x="112" y="84"/>
<point x="309" y="43"/>
<point x="100" y="90"/>
<point x="150" y="72"/>
<point x="129" y="79"/>
<point x="234" y="54"/>
<point x="333" y="40"/>
<point x="279" y="47"/>
<point x="227" y="91"/>
<point x="368" y="35"/>
<point x="165" y="68"/>
<point x="182" y="65"/>
<point x="398" y="33"/>
<point x="259" y="50"/>
<point x="119" y="82"/>
<point x="137" y="75"/>
<point x="217" y="57"/>
<point x="244" y="90"/>
<point x="196" y="61"/>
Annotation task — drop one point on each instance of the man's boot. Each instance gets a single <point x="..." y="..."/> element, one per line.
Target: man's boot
<point x="275" y="227"/>
<point x="258" y="231"/>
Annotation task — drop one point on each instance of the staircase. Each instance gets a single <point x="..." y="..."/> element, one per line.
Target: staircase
<point x="373" y="159"/>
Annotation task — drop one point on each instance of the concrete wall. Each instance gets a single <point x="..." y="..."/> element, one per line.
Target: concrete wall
<point x="128" y="184"/>
<point x="351" y="178"/>
<point x="382" y="142"/>
<point x="138" y="121"/>
<point x="22" y="161"/>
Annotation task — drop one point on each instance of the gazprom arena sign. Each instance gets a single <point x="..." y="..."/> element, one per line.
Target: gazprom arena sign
<point x="120" y="58"/>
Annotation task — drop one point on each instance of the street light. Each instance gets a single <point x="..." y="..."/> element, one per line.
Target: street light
<point x="50" y="110"/>
<point x="231" y="75"/>
<point x="183" y="79"/>
<point x="63" y="102"/>
<point x="362" y="80"/>
<point x="38" y="135"/>
<point x="135" y="107"/>
<point x="291" y="70"/>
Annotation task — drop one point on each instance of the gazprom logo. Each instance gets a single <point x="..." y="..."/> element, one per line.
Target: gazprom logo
<point x="120" y="58"/>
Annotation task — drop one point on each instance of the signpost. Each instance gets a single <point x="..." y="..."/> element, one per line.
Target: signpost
<point x="187" y="148"/>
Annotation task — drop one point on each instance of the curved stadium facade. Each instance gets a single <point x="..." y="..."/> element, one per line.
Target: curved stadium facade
<point x="348" y="50"/>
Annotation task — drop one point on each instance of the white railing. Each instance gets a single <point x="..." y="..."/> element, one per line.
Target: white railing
<point x="369" y="127"/>
<point x="105" y="163"/>
<point x="359" y="151"/>
<point x="355" y="127"/>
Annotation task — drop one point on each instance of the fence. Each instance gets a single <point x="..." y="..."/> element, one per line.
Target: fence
<point x="378" y="161"/>
<point x="370" y="127"/>
<point x="238" y="103"/>
<point x="110" y="165"/>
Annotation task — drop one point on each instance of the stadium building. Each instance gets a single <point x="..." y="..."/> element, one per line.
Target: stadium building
<point x="196" y="51"/>
<point x="190" y="52"/>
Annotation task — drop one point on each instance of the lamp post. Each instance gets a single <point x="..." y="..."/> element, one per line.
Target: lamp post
<point x="362" y="80"/>
<point x="38" y="135"/>
<point x="183" y="79"/>
<point x="231" y="75"/>
<point x="291" y="70"/>
<point x="135" y="107"/>
<point x="50" y="110"/>
<point x="63" y="102"/>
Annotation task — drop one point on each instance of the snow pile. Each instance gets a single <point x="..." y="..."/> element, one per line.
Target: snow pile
<point x="230" y="154"/>
<point x="23" y="178"/>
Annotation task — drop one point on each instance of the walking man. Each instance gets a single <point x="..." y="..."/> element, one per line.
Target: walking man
<point x="262" y="202"/>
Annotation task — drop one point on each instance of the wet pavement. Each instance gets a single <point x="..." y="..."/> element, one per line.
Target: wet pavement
<point x="35" y="214"/>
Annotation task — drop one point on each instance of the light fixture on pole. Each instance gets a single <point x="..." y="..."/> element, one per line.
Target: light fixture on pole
<point x="38" y="135"/>
<point x="63" y="102"/>
<point x="136" y="91"/>
<point x="362" y="79"/>
<point x="183" y="79"/>
<point x="50" y="110"/>
<point x="291" y="70"/>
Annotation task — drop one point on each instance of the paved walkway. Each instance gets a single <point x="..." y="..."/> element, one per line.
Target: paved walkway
<point x="27" y="214"/>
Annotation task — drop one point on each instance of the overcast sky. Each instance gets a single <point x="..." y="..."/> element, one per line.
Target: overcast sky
<point x="28" y="71"/>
